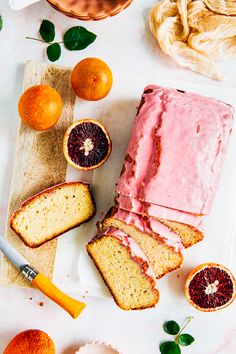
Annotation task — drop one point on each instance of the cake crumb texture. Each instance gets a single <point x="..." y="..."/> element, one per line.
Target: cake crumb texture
<point x="53" y="212"/>
<point x="130" y="287"/>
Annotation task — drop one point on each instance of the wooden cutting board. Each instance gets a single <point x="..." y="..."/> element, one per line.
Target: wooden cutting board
<point x="39" y="163"/>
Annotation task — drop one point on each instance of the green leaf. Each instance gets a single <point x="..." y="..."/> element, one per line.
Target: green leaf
<point x="185" y="339"/>
<point x="47" y="31"/>
<point x="170" y="348"/>
<point x="1" y="23"/>
<point x="171" y="327"/>
<point x="54" y="51"/>
<point x="77" y="38"/>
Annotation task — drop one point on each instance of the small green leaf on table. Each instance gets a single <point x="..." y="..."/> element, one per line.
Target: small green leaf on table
<point x="171" y="327"/>
<point x="185" y="339"/>
<point x="54" y="51"/>
<point x="78" y="38"/>
<point x="1" y="22"/>
<point x="47" y="31"/>
<point x="170" y="347"/>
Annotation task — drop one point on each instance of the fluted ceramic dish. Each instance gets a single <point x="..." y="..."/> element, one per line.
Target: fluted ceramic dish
<point x="97" y="348"/>
<point x="90" y="9"/>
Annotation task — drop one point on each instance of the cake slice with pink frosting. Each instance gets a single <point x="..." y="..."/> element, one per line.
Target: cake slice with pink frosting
<point x="125" y="269"/>
<point x="162" y="247"/>
<point x="188" y="226"/>
<point x="158" y="211"/>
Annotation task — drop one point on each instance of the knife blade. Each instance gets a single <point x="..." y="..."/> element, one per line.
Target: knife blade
<point x="11" y="253"/>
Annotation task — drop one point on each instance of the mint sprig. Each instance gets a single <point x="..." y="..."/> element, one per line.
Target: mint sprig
<point x="172" y="328"/>
<point x="75" y="38"/>
<point x="1" y="23"/>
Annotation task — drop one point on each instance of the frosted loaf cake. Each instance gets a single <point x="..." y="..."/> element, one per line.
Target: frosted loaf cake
<point x="176" y="150"/>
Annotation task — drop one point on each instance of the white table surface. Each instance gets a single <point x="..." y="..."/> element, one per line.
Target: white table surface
<point x="125" y="43"/>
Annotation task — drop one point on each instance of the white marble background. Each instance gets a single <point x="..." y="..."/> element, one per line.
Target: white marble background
<point x="125" y="43"/>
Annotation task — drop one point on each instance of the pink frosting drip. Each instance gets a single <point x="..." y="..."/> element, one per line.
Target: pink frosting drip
<point x="150" y="225"/>
<point x="142" y="208"/>
<point x="176" y="150"/>
<point x="134" y="248"/>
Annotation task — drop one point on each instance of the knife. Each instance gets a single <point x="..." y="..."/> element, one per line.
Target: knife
<point x="40" y="281"/>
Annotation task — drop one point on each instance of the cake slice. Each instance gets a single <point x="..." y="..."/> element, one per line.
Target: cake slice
<point x="189" y="235"/>
<point x="125" y="270"/>
<point x="162" y="247"/>
<point x="52" y="212"/>
<point x="188" y="226"/>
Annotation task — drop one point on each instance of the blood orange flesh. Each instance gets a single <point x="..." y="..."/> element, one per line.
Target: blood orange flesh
<point x="87" y="144"/>
<point x="210" y="287"/>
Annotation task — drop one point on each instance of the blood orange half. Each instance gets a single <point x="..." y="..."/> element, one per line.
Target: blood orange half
<point x="87" y="144"/>
<point x="210" y="287"/>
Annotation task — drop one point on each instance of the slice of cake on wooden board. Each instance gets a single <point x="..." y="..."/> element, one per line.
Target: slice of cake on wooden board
<point x="52" y="212"/>
<point x="39" y="164"/>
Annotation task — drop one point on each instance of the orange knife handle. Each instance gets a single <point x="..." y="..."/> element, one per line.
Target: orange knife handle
<point x="72" y="306"/>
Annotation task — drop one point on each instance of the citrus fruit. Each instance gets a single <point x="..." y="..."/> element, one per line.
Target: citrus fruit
<point x="91" y="79"/>
<point x="40" y="107"/>
<point x="210" y="287"/>
<point x="87" y="144"/>
<point x="32" y="341"/>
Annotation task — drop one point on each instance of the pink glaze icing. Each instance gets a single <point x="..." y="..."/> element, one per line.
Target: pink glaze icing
<point x="150" y="225"/>
<point x="176" y="150"/>
<point x="134" y="248"/>
<point x="143" y="208"/>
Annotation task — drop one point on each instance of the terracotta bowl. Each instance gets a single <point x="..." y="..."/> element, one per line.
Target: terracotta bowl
<point x="90" y="9"/>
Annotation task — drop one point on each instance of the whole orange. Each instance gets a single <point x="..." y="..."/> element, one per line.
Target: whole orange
<point x="40" y="107"/>
<point x="91" y="79"/>
<point x="32" y="341"/>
